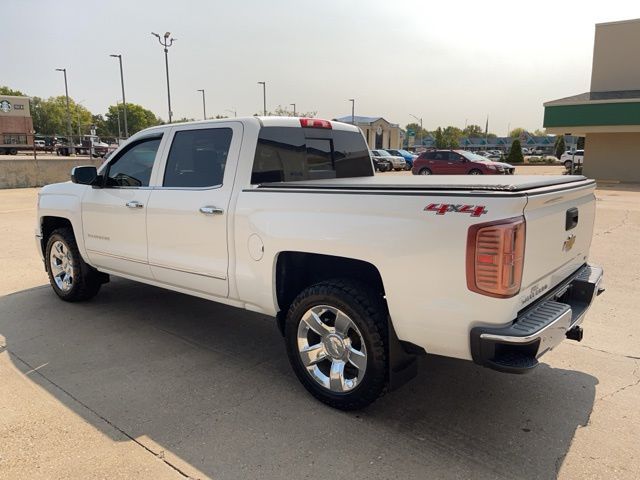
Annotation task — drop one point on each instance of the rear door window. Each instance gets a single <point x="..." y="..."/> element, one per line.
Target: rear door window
<point x="197" y="158"/>
<point x="285" y="154"/>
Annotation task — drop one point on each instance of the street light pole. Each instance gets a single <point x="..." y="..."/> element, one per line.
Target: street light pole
<point x="353" y="109"/>
<point x="124" y="101"/>
<point x="235" y="113"/>
<point x="264" y="96"/>
<point x="166" y="42"/>
<point x="72" y="149"/>
<point x="294" y="108"/>
<point x="119" y="130"/>
<point x="204" y="106"/>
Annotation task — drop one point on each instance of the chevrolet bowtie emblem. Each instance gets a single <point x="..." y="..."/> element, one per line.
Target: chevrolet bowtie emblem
<point x="568" y="243"/>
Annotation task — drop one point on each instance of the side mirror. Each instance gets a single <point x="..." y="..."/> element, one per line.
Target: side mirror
<point x="86" y="175"/>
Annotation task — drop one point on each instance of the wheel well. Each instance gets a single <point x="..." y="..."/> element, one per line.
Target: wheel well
<point x="296" y="271"/>
<point x="49" y="224"/>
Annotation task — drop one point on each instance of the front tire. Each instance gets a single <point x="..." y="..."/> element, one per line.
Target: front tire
<point x="71" y="278"/>
<point x="336" y="337"/>
<point x="424" y="171"/>
<point x="568" y="164"/>
<point x="475" y="171"/>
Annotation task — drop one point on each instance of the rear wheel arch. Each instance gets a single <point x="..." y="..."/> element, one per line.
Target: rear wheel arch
<point x="295" y="271"/>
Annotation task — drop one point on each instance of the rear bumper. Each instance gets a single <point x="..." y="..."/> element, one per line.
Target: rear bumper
<point x="540" y="327"/>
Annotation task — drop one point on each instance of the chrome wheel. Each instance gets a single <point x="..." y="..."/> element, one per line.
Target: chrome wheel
<point x="331" y="348"/>
<point x="61" y="262"/>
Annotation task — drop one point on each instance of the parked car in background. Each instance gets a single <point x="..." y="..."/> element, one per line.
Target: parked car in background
<point x="408" y="156"/>
<point x="526" y="151"/>
<point x="458" y="162"/>
<point x="537" y="151"/>
<point x="569" y="157"/>
<point x="381" y="164"/>
<point x="39" y="144"/>
<point x="397" y="162"/>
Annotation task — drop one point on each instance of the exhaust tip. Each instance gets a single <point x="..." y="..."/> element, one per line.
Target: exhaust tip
<point x="576" y="333"/>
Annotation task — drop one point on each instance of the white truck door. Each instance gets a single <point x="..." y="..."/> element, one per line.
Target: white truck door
<point x="114" y="217"/>
<point x="188" y="211"/>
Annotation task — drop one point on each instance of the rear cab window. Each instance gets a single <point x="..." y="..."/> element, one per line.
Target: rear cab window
<point x="287" y="154"/>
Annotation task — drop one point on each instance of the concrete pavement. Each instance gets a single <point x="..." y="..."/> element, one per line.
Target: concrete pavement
<point x="144" y="383"/>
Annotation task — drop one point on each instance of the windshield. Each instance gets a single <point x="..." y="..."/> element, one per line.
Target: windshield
<point x="382" y="153"/>
<point x="404" y="152"/>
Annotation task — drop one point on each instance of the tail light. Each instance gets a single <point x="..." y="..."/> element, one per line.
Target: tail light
<point x="495" y="257"/>
<point x="315" y="123"/>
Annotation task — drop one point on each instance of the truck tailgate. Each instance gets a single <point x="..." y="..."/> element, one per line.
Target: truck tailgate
<point x="559" y="227"/>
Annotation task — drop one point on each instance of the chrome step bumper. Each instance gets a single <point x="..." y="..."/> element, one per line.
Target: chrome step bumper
<point x="540" y="327"/>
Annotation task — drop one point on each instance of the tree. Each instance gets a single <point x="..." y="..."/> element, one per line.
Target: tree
<point x="439" y="138"/>
<point x="9" y="91"/>
<point x="50" y="116"/>
<point x="515" y="154"/>
<point x="560" y="146"/>
<point x="280" y="111"/>
<point x="419" y="132"/>
<point x="539" y="133"/>
<point x="448" y="137"/>
<point x="138" y="118"/>
<point x="473" y="131"/>
<point x="515" y="133"/>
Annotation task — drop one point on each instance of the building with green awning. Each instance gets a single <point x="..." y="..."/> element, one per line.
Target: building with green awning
<point x="608" y="116"/>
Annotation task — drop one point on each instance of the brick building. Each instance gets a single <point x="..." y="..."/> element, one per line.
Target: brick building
<point x="16" y="125"/>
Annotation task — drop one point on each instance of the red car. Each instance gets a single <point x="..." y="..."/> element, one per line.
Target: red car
<point x="458" y="162"/>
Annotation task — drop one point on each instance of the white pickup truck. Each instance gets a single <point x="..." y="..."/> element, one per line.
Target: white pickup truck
<point x="363" y="273"/>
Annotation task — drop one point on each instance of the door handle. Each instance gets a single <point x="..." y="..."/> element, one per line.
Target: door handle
<point x="209" y="210"/>
<point x="134" y="204"/>
<point x="449" y="163"/>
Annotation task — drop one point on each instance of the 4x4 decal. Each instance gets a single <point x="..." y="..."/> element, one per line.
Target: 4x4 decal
<point x="442" y="208"/>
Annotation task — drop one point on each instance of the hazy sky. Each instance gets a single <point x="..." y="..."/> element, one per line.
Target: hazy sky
<point x="446" y="61"/>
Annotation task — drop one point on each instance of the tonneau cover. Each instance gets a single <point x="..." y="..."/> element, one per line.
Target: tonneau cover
<point x="500" y="183"/>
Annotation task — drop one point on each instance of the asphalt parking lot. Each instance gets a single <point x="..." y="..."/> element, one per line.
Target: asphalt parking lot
<point x="144" y="383"/>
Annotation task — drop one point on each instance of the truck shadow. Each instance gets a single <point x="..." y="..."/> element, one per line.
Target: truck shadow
<point x="211" y="385"/>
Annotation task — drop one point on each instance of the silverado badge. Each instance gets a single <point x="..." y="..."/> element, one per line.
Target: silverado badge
<point x="568" y="243"/>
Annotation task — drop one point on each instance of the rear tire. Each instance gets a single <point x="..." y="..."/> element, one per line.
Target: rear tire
<point x="336" y="337"/>
<point x="71" y="278"/>
<point x="567" y="164"/>
<point x="424" y="171"/>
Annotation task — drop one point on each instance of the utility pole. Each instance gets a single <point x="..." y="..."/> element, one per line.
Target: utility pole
<point x="420" y="120"/>
<point x="294" y="108"/>
<point x="124" y="101"/>
<point x="353" y="109"/>
<point x="204" y="106"/>
<point x="166" y="42"/>
<point x="72" y="149"/>
<point x="264" y="96"/>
